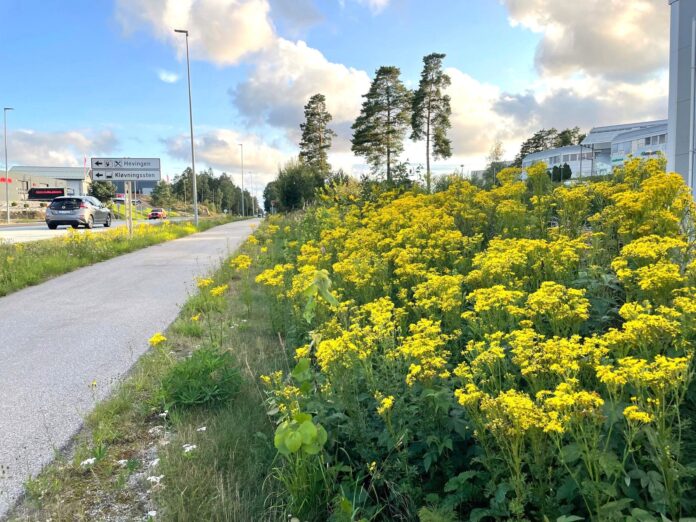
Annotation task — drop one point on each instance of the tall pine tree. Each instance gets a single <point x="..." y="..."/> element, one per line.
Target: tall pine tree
<point x="316" y="135"/>
<point x="379" y="131"/>
<point x="431" y="112"/>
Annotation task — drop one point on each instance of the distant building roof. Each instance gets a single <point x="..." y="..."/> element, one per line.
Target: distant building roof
<point x="605" y="135"/>
<point x="51" y="172"/>
<point x="642" y="133"/>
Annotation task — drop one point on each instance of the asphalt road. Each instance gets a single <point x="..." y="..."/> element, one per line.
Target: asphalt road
<point x="91" y="324"/>
<point x="24" y="233"/>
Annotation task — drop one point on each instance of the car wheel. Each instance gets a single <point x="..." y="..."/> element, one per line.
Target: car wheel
<point x="90" y="222"/>
<point x="75" y="225"/>
<point x="107" y="223"/>
<point x="52" y="226"/>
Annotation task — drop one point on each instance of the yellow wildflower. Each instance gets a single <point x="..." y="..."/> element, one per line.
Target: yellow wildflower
<point x="219" y="290"/>
<point x="157" y="339"/>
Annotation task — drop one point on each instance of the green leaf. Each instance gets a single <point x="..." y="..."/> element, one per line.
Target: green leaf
<point x="322" y="436"/>
<point x="571" y="453"/>
<point x="308" y="431"/>
<point x="569" y="518"/>
<point x="293" y="441"/>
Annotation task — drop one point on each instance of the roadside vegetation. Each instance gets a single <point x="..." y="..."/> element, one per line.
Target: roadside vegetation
<point x="185" y="436"/>
<point x="518" y="353"/>
<point x="27" y="264"/>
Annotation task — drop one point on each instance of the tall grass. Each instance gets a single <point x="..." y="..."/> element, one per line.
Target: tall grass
<point x="27" y="264"/>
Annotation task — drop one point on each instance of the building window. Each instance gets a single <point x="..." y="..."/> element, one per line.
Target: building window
<point x="663" y="138"/>
<point x="647" y="141"/>
<point x="566" y="158"/>
<point x="573" y="157"/>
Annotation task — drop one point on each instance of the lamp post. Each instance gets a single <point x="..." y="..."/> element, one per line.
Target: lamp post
<point x="241" y="146"/>
<point x="7" y="181"/>
<point x="194" y="189"/>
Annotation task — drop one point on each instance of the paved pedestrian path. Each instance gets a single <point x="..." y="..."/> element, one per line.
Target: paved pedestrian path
<point x="89" y="325"/>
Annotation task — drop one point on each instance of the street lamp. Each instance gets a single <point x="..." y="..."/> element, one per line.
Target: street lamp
<point x="7" y="181"/>
<point x="193" y="161"/>
<point x="241" y="146"/>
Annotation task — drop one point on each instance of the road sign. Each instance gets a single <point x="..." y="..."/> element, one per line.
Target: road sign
<point x="126" y="175"/>
<point x="126" y="169"/>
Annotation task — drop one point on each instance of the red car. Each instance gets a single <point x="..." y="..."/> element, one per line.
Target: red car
<point x="157" y="213"/>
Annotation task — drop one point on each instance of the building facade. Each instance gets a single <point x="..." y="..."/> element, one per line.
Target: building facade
<point x="75" y="180"/>
<point x="605" y="148"/>
<point x="682" y="89"/>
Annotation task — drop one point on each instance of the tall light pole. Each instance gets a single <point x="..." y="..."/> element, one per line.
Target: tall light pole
<point x="194" y="189"/>
<point x="7" y="181"/>
<point x="241" y="146"/>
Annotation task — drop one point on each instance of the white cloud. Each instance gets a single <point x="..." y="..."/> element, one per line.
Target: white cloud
<point x="222" y="31"/>
<point x="285" y="77"/>
<point x="167" y="76"/>
<point x="219" y="149"/>
<point x="586" y="102"/>
<point x="66" y="149"/>
<point x="375" y="6"/>
<point x="609" y="38"/>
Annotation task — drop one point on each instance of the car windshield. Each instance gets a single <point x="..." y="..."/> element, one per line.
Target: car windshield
<point x="65" y="204"/>
<point x="157" y="210"/>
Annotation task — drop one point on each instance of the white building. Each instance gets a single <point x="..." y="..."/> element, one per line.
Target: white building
<point x="605" y="148"/>
<point x="75" y="179"/>
<point x="578" y="158"/>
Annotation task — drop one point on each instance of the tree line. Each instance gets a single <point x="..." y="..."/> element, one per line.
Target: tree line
<point x="389" y="112"/>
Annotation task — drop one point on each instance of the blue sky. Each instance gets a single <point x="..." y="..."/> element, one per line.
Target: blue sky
<point x="84" y="76"/>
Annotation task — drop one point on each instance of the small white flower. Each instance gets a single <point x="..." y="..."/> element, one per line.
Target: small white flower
<point x="154" y="463"/>
<point x="202" y="428"/>
<point x="189" y="447"/>
<point x="152" y="514"/>
<point x="123" y="463"/>
<point x="164" y="414"/>
<point x="155" y="479"/>
<point x="88" y="462"/>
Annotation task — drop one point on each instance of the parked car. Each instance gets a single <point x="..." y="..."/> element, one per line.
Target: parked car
<point x="77" y="210"/>
<point x="157" y="213"/>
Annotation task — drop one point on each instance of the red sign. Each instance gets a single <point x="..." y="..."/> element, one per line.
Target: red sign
<point x="5" y="180"/>
<point x="45" y="194"/>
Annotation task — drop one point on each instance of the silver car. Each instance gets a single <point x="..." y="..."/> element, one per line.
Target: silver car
<point x="76" y="211"/>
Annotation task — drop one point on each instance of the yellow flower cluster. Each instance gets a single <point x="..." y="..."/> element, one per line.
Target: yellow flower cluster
<point x="274" y="276"/>
<point x="157" y="339"/>
<point x="541" y="308"/>
<point x="241" y="262"/>
<point x="219" y="290"/>
<point x="204" y="282"/>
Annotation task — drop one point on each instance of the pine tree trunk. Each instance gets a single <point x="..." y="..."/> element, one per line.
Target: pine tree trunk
<point x="427" y="156"/>
<point x="427" y="149"/>
<point x="388" y="137"/>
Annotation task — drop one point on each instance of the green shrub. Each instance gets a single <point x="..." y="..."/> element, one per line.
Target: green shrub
<point x="209" y="377"/>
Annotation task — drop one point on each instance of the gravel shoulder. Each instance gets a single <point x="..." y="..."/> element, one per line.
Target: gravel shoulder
<point x="58" y="338"/>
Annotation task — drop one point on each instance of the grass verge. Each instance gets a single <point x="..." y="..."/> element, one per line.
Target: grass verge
<point x="27" y="264"/>
<point x="140" y="461"/>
